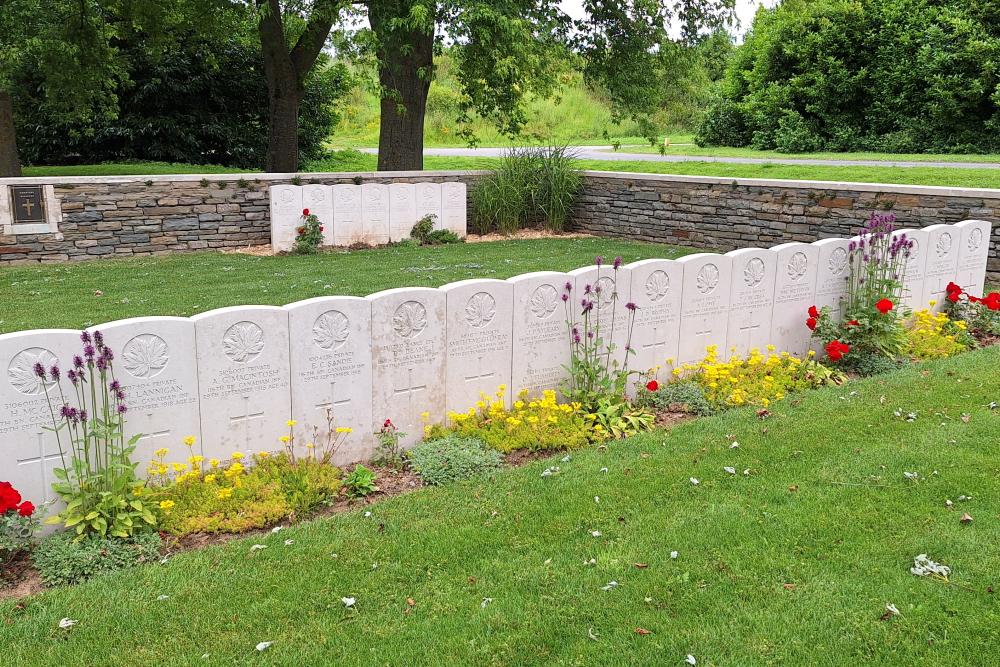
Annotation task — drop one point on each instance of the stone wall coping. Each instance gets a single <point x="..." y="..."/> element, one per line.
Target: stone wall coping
<point x="932" y="190"/>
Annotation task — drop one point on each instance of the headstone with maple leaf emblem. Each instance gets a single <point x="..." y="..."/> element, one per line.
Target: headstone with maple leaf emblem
<point x="704" y="305"/>
<point x="656" y="293"/>
<point x="541" y="349"/>
<point x="794" y="292"/>
<point x="751" y="301"/>
<point x="286" y="216"/>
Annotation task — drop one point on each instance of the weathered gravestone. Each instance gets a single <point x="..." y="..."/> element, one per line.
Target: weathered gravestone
<point x="794" y="292"/>
<point x="286" y="216"/>
<point x="973" y="254"/>
<point x="541" y="351"/>
<point x="375" y="213"/>
<point x="610" y="291"/>
<point x="704" y="305"/>
<point x="408" y="358"/>
<point x="402" y="210"/>
<point x="479" y="324"/>
<point x="943" y="243"/>
<point x="913" y="268"/>
<point x="656" y="292"/>
<point x="157" y="364"/>
<point x="243" y="379"/>
<point x="429" y="202"/>
<point x="319" y="200"/>
<point x="348" y="227"/>
<point x="833" y="272"/>
<point x="454" y="208"/>
<point x="30" y="451"/>
<point x="751" y="300"/>
<point x="331" y="374"/>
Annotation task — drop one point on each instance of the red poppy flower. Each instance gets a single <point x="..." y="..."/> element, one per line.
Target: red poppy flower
<point x="811" y="323"/>
<point x="992" y="301"/>
<point x="952" y="287"/>
<point x="652" y="385"/>
<point x="813" y="312"/>
<point x="305" y="211"/>
<point x="836" y="350"/>
<point x="26" y="509"/>
<point x="854" y="323"/>
<point x="953" y="296"/>
<point x="883" y="306"/>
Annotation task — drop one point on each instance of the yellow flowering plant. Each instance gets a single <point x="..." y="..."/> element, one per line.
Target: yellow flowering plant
<point x="932" y="335"/>
<point x="535" y="425"/>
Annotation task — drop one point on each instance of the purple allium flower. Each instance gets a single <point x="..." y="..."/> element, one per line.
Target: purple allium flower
<point x="576" y="338"/>
<point x="598" y="260"/>
<point x="71" y="375"/>
<point x="618" y="262"/>
<point x="88" y="352"/>
<point x="122" y="409"/>
<point x="852" y="246"/>
<point x="84" y="336"/>
<point x="569" y="286"/>
<point x="54" y="373"/>
<point x="98" y="339"/>
<point x="586" y="288"/>
<point x="597" y="289"/>
<point x="565" y="297"/>
<point x="590" y="334"/>
<point x="108" y="354"/>
<point x="65" y="411"/>
<point x="83" y="415"/>
<point x="630" y="306"/>
<point x="39" y="369"/>
<point x="78" y="361"/>
<point x="120" y="394"/>
<point x="102" y="365"/>
<point x="115" y="385"/>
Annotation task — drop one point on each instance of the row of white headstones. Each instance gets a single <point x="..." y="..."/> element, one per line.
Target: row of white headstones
<point x="232" y="377"/>
<point x="372" y="213"/>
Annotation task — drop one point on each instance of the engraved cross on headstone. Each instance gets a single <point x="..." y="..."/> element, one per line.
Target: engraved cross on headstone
<point x="481" y="376"/>
<point x="748" y="329"/>
<point x="332" y="403"/>
<point x="155" y="434"/>
<point x="245" y="419"/>
<point x="657" y="343"/>
<point x="42" y="462"/>
<point x="411" y="388"/>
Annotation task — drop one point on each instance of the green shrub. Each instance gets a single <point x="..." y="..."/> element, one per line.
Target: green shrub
<point x="442" y="237"/>
<point x="360" y="482"/>
<point x="423" y="228"/>
<point x="680" y="396"/>
<point x="61" y="559"/>
<point x="453" y="458"/>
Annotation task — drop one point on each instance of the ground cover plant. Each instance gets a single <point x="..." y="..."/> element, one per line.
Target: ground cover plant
<point x="643" y="552"/>
<point x="84" y="294"/>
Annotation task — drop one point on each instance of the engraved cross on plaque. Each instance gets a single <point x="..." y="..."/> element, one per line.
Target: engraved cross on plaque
<point x="155" y="434"/>
<point x="481" y="376"/>
<point x="42" y="462"/>
<point x="748" y="329"/>
<point x="245" y="419"/>
<point x="332" y="403"/>
<point x="657" y="343"/>
<point x="411" y="388"/>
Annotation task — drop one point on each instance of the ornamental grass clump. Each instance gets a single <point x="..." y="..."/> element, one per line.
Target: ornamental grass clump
<point x="97" y="474"/>
<point x="870" y="324"/>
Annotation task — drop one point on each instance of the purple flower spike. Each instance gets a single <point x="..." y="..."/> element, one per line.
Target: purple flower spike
<point x="852" y="246"/>
<point x="565" y="297"/>
<point x="618" y="263"/>
<point x="88" y="352"/>
<point x="630" y="306"/>
<point x="66" y="411"/>
<point x="569" y="286"/>
<point x="599" y="260"/>
<point x="83" y="415"/>
<point x="108" y="354"/>
<point x="54" y="373"/>
<point x="78" y="361"/>
<point x="586" y="288"/>
<point x="98" y="339"/>
<point x="122" y="409"/>
<point x="115" y="385"/>
<point x="84" y="336"/>
<point x="39" y="369"/>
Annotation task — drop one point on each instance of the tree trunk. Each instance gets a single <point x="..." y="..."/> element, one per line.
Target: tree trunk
<point x="406" y="60"/>
<point x="10" y="162"/>
<point x="283" y="134"/>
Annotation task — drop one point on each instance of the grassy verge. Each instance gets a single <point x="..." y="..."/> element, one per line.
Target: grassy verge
<point x="791" y="564"/>
<point x="82" y="294"/>
<point x="728" y="151"/>
<point x="351" y="160"/>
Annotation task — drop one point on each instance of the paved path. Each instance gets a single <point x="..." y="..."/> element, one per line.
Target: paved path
<point x="607" y="154"/>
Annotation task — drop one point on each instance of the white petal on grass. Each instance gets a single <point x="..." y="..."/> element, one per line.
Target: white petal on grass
<point x="591" y="634"/>
<point x="673" y="555"/>
<point x="348" y="602"/>
<point x="695" y="481"/>
<point x="258" y="547"/>
<point x="690" y="659"/>
<point x="891" y="608"/>
<point x="604" y="470"/>
<point x="735" y="445"/>
<point x="367" y="514"/>
<point x="277" y="529"/>
<point x="592" y="561"/>
<point x="565" y="459"/>
<point x="263" y="646"/>
<point x="67" y="623"/>
<point x="595" y="533"/>
<point x="485" y="602"/>
<point x="731" y="470"/>
<point x="161" y="598"/>
<point x="610" y="586"/>
<point x="597" y="499"/>
<point x="289" y="543"/>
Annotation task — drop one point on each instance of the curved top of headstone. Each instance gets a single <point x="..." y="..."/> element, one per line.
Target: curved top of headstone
<point x="459" y="284"/>
<point x="232" y="310"/>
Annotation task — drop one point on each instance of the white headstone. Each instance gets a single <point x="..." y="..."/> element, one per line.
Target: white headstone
<point x="609" y="290"/>
<point x="348" y="227"/>
<point x="402" y="210"/>
<point x="331" y="373"/>
<point x="479" y="340"/>
<point x="656" y="292"/>
<point x="29" y="452"/>
<point x="541" y="350"/>
<point x="454" y="207"/>
<point x="286" y="216"/>
<point x="319" y="200"/>
<point x="794" y="292"/>
<point x="375" y="213"/>
<point x="943" y="243"/>
<point x="243" y="379"/>
<point x="156" y="362"/>
<point x="751" y="300"/>
<point x="408" y="358"/>
<point x="833" y="274"/>
<point x="704" y="305"/>
<point x="913" y="275"/>
<point x="429" y="203"/>
<point x="973" y="254"/>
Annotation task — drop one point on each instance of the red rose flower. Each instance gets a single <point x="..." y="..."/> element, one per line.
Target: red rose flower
<point x="992" y="300"/>
<point x="26" y="509"/>
<point x="953" y="296"/>
<point x="652" y="385"/>
<point x="811" y="323"/>
<point x="9" y="497"/>
<point x="387" y="424"/>
<point x="813" y="312"/>
<point x="305" y="211"/>
<point x="854" y="323"/>
<point x="883" y="306"/>
<point x="952" y="287"/>
<point x="836" y="350"/>
<point x="321" y="228"/>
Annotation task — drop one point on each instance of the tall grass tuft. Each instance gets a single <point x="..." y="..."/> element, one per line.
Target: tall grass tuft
<point x="533" y="186"/>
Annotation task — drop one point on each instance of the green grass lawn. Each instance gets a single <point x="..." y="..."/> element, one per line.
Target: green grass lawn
<point x="689" y="148"/>
<point x="497" y="569"/>
<point x="63" y="295"/>
<point x="352" y="160"/>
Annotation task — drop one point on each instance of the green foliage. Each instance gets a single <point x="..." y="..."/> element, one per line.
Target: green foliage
<point x="880" y="75"/>
<point x="442" y="237"/>
<point x="360" y="482"/>
<point x="423" y="227"/>
<point x="238" y="499"/>
<point x="62" y="560"/>
<point x="16" y="533"/>
<point x="308" y="236"/>
<point x="686" y="395"/>
<point x="453" y="458"/>
<point x="531" y="186"/>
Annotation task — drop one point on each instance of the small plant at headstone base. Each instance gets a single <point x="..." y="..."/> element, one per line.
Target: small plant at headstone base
<point x="683" y="395"/>
<point x="871" y="320"/>
<point x="541" y="424"/>
<point x="443" y="237"/>
<point x="453" y="458"/>
<point x="596" y="379"/>
<point x="18" y="522"/>
<point x="97" y="476"/>
<point x="980" y="314"/>
<point x="360" y="482"/>
<point x="387" y="450"/>
<point x="423" y="227"/>
<point x="308" y="235"/>
<point x="932" y="335"/>
<point x="62" y="560"/>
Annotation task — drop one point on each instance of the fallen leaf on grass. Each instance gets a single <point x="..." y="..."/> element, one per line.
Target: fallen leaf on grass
<point x="966" y="518"/>
<point x="788" y="587"/>
<point x="643" y="631"/>
<point x="793" y="488"/>
<point x="641" y="566"/>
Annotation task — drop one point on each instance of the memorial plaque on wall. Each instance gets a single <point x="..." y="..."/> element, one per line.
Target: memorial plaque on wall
<point x="27" y="204"/>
